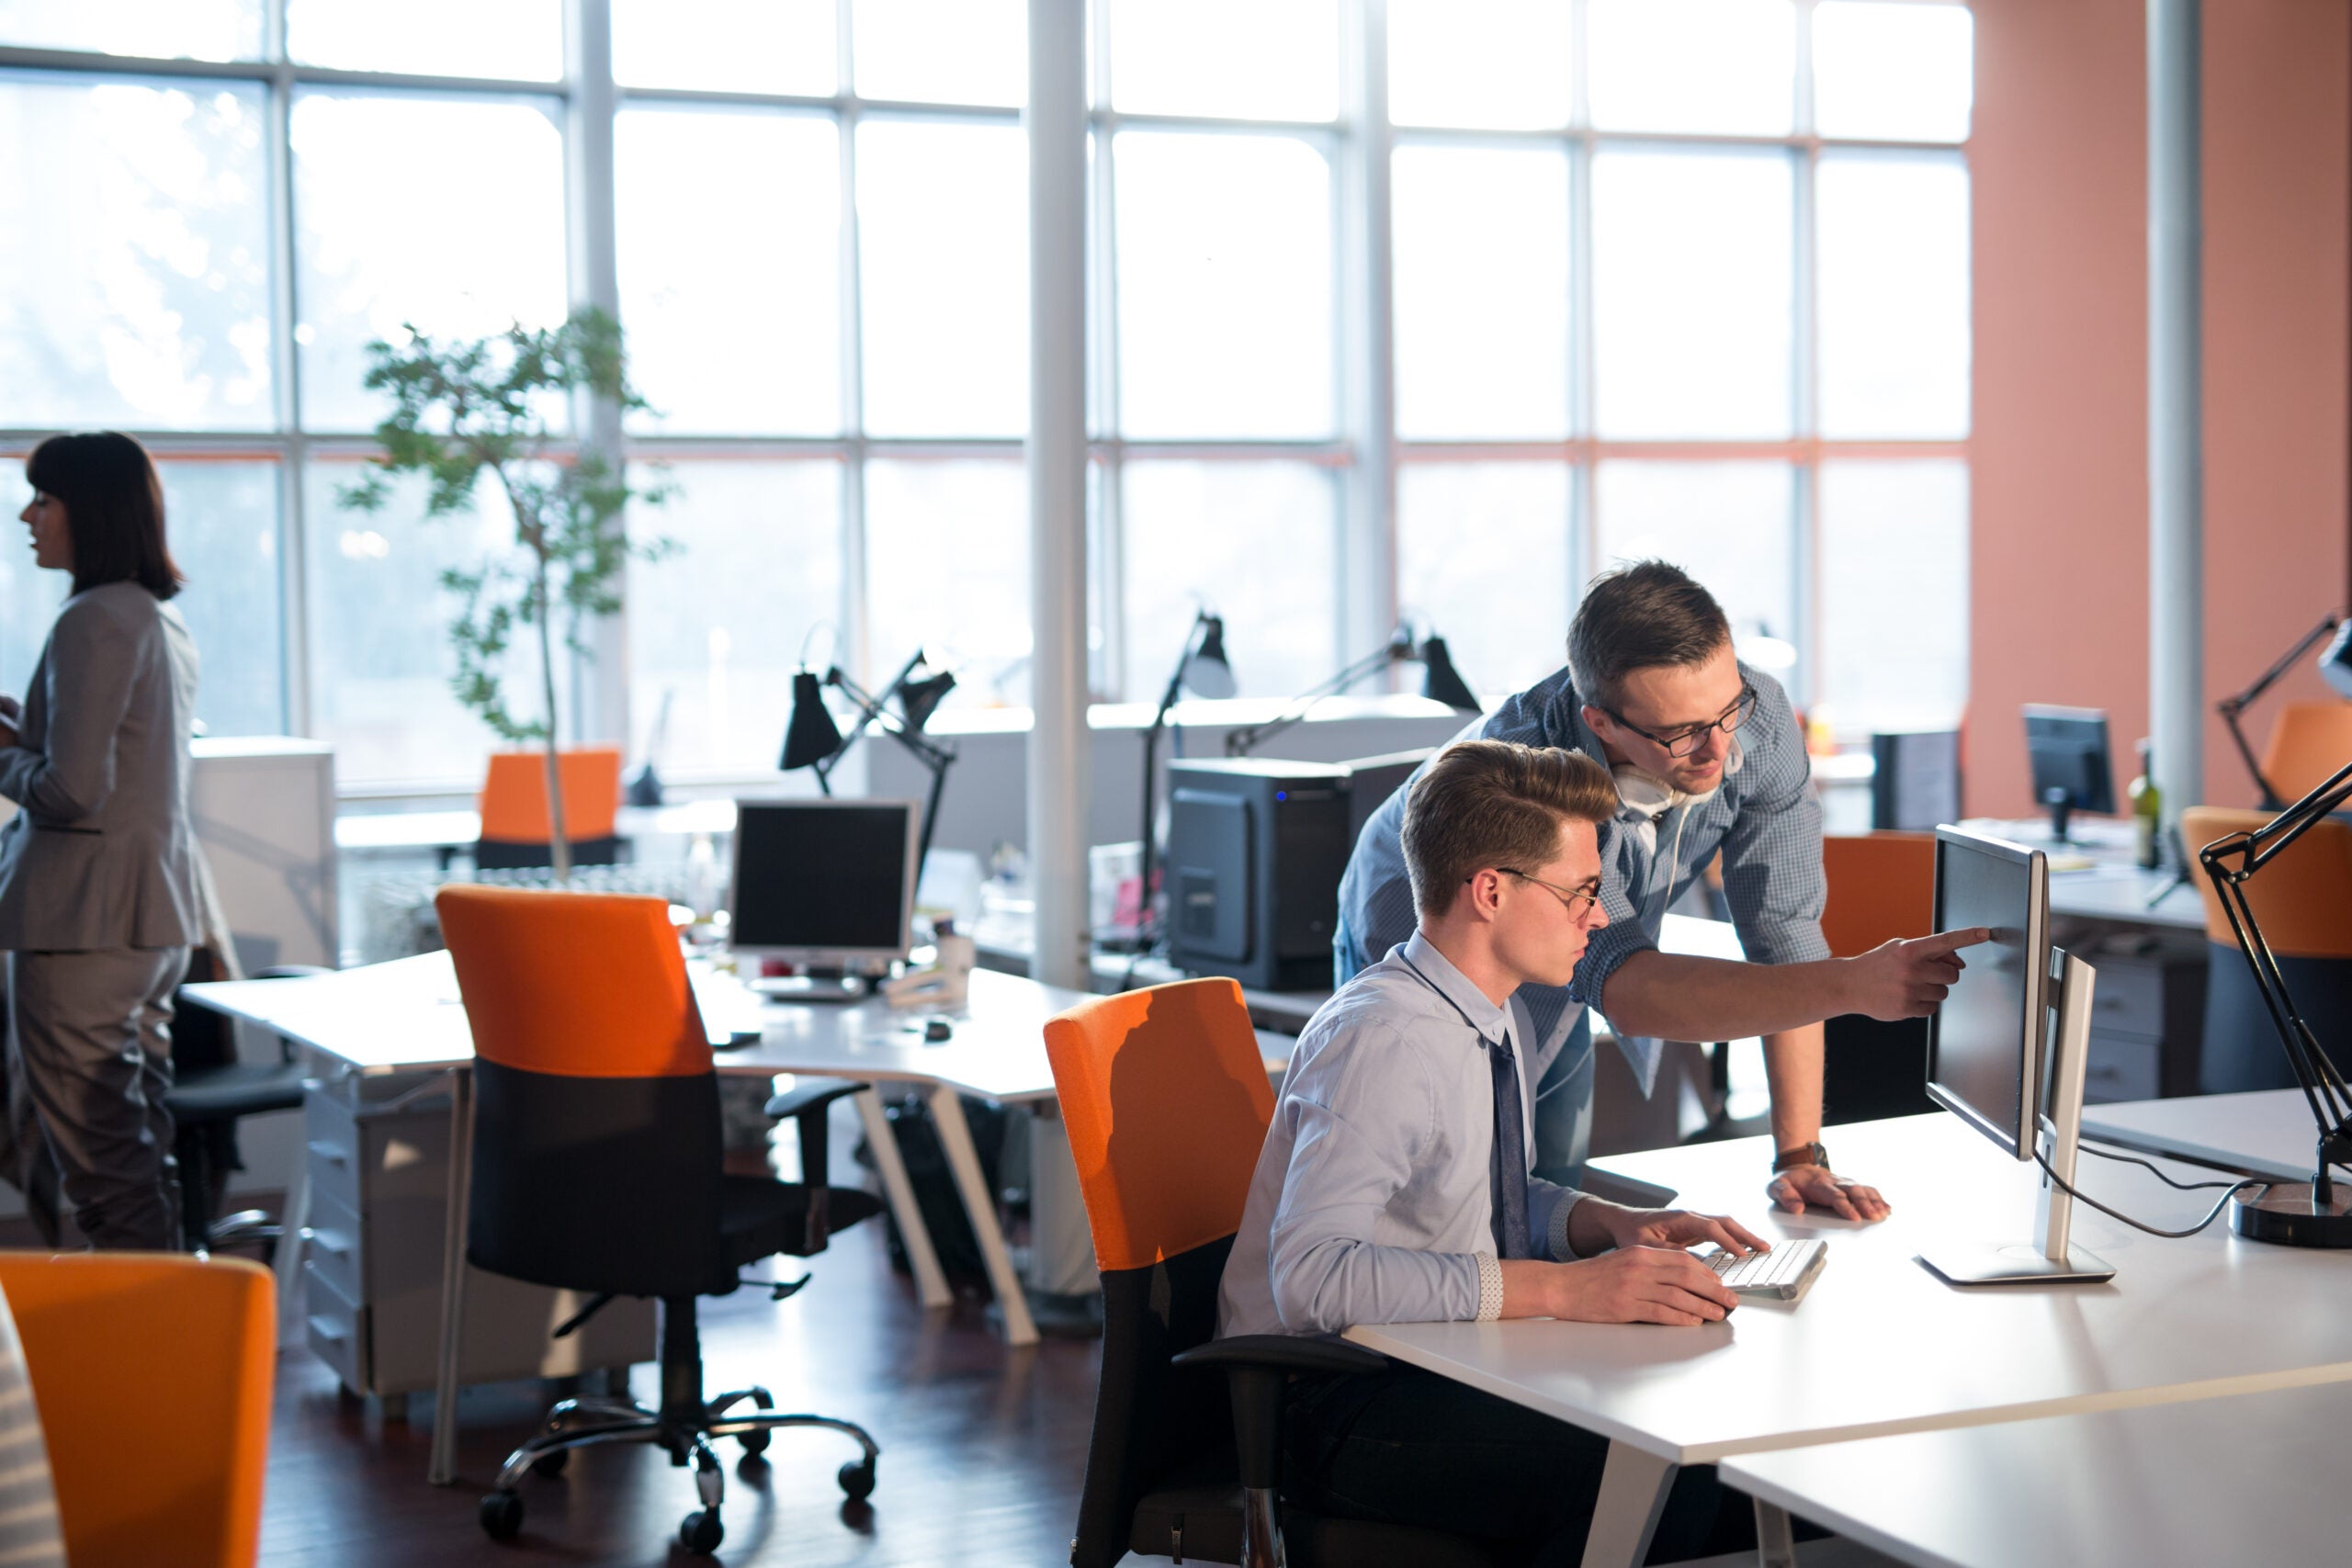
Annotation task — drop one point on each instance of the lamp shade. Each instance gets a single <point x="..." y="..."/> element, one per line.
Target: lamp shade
<point x="1440" y="681"/>
<point x="810" y="736"/>
<point x="1206" y="673"/>
<point x="919" y="699"/>
<point x="2335" y="664"/>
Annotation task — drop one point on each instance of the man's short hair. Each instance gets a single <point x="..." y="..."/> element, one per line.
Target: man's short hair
<point x="1640" y="616"/>
<point x="1495" y="803"/>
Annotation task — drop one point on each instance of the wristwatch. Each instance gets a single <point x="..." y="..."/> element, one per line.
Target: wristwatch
<point x="1804" y="1154"/>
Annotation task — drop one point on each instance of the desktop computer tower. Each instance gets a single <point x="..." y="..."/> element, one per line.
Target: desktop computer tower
<point x="1255" y="851"/>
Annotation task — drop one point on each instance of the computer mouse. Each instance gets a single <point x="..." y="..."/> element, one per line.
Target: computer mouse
<point x="936" y="1028"/>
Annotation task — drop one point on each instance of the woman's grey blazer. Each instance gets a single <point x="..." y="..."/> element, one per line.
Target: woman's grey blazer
<point x="103" y="854"/>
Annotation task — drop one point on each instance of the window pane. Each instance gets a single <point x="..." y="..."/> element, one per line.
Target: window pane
<point x="221" y="520"/>
<point x="1894" y="295"/>
<point x="465" y="253"/>
<point x="134" y="235"/>
<point x="156" y="29"/>
<point x="1693" y="65"/>
<point x="516" y="41"/>
<point x="1693" y="294"/>
<point x="716" y="629"/>
<point x="1256" y="543"/>
<point x="1893" y="593"/>
<point x="1482" y="292"/>
<point x="1247" y="59"/>
<point x="947" y="567"/>
<point x="741" y="46"/>
<point x="947" y="52"/>
<point x="1224" y="257"/>
<point x="1502" y="63"/>
<point x="379" y="658"/>
<point x="1482" y="558"/>
<point x="732" y="306"/>
<point x="1725" y="524"/>
<point x="944" y="258"/>
<point x="1901" y="71"/>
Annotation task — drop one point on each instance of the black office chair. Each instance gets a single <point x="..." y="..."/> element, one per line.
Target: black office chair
<point x="597" y="1168"/>
<point x="211" y="1091"/>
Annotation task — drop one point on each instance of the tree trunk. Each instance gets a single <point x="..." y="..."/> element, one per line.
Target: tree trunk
<point x="559" y="845"/>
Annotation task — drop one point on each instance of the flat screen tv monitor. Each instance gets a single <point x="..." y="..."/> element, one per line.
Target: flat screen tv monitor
<point x="824" y="884"/>
<point x="1986" y="1043"/>
<point x="2073" y="769"/>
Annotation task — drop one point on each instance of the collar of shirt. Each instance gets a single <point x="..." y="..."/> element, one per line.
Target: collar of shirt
<point x="1491" y="1022"/>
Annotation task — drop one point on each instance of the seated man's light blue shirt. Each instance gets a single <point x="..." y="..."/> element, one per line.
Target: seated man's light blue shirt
<point x="1373" y="1198"/>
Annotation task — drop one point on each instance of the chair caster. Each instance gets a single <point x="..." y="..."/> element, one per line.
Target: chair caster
<point x="702" y="1532"/>
<point x="551" y="1463"/>
<point x="501" y="1515"/>
<point x="757" y="1442"/>
<point x="857" y="1480"/>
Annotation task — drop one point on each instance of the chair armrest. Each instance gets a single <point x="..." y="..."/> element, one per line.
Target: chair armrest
<point x="809" y="1093"/>
<point x="807" y="1103"/>
<point x="1256" y="1368"/>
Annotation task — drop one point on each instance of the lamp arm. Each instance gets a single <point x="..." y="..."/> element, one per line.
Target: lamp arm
<point x="1144" y="933"/>
<point x="1241" y="742"/>
<point x="2266" y="841"/>
<point x="2230" y="707"/>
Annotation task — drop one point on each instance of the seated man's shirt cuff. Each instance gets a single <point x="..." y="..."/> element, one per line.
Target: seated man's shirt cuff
<point x="1490" y="1287"/>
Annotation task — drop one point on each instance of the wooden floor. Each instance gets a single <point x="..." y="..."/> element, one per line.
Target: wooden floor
<point x="982" y="1448"/>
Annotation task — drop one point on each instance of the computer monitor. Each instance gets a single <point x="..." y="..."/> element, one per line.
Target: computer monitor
<point x="824" y="884"/>
<point x="2073" y="769"/>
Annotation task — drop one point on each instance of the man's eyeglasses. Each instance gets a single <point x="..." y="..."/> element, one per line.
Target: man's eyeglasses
<point x="1579" y="902"/>
<point x="1683" y="742"/>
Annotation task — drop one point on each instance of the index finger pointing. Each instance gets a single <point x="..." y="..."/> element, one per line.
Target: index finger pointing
<point x="1945" y="942"/>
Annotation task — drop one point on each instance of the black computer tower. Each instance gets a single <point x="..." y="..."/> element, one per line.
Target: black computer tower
<point x="1255" y="851"/>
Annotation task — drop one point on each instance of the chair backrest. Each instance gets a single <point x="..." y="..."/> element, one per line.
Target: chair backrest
<point x="1165" y="1097"/>
<point x="2302" y="900"/>
<point x="2308" y="744"/>
<point x="513" y="801"/>
<point x="596" y="1140"/>
<point x="153" y="1375"/>
<point x="1882" y="886"/>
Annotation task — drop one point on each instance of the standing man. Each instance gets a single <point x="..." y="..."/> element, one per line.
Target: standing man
<point x="1705" y="755"/>
<point x="1393" y="1187"/>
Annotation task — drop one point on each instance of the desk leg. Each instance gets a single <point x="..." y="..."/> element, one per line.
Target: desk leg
<point x="291" y="1244"/>
<point x="1776" y="1542"/>
<point x="1633" y="1495"/>
<point x="980" y="1206"/>
<point x="442" y="1467"/>
<point x="930" y="1283"/>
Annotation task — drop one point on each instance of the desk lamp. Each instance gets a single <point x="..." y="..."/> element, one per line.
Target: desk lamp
<point x="2316" y="1213"/>
<point x="1200" y="669"/>
<point x="1440" y="682"/>
<point x="2334" y="667"/>
<point x="811" y="738"/>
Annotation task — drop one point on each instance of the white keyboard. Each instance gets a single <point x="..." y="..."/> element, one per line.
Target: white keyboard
<point x="1782" y="1273"/>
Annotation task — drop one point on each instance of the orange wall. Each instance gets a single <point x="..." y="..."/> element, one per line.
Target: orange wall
<point x="2059" y="557"/>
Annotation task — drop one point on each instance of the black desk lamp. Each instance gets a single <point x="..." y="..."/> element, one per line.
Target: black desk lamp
<point x="1200" y="669"/>
<point x="811" y="738"/>
<point x="2335" y="666"/>
<point x="1440" y="682"/>
<point x="2298" y="1214"/>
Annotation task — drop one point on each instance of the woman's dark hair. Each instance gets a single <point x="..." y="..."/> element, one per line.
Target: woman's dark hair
<point x="114" y="508"/>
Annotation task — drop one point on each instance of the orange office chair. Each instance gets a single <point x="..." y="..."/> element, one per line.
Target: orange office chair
<point x="515" y="828"/>
<point x="191" y="1345"/>
<point x="2308" y="744"/>
<point x="2303" y="902"/>
<point x="596" y="1167"/>
<point x="1882" y="886"/>
<point x="1165" y="1097"/>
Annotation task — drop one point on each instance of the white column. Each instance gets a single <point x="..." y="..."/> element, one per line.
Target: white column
<point x="2175" y="405"/>
<point x="1056" y="122"/>
<point x="1368" y="606"/>
<point x="600" y="707"/>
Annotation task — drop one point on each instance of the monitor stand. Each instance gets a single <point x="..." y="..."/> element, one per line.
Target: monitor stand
<point x="2050" y="1258"/>
<point x="810" y="987"/>
<point x="2060" y="804"/>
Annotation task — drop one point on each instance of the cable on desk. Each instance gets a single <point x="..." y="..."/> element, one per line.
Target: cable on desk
<point x="2210" y="1214"/>
<point x="2084" y="1144"/>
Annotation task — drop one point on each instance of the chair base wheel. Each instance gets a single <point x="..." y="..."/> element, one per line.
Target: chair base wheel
<point x="701" y="1532"/>
<point x="857" y="1479"/>
<point x="753" y="1442"/>
<point x="501" y="1515"/>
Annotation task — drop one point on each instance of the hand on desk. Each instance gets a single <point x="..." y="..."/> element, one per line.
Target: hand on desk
<point x="1632" y="1284"/>
<point x="1811" y="1187"/>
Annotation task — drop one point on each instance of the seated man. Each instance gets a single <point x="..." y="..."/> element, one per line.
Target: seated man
<point x="1395" y="1183"/>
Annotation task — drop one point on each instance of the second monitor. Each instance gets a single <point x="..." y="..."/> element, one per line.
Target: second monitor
<point x="824" y="885"/>
<point x="2073" y="770"/>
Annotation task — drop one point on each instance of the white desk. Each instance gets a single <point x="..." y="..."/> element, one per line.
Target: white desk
<point x="386" y="831"/>
<point x="2255" y="1478"/>
<point x="2112" y="888"/>
<point x="2268" y="1133"/>
<point x="1880" y="1346"/>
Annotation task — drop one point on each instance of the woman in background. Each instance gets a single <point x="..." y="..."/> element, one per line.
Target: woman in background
<point x="99" y="897"/>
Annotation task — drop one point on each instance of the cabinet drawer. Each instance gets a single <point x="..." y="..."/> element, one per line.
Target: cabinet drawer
<point x="2121" y="1066"/>
<point x="335" y="1328"/>
<point x="334" y="1240"/>
<point x="331" y="1150"/>
<point x="2130" y="997"/>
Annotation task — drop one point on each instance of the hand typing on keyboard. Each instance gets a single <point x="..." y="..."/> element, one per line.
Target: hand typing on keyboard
<point x="1782" y="1273"/>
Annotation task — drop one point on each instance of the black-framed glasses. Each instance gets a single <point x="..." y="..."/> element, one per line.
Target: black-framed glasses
<point x="1579" y="902"/>
<point x="1683" y="742"/>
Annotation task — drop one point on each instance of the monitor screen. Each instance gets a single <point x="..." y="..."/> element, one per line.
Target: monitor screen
<point x="2068" y="750"/>
<point x="1984" y="1043"/>
<point x="819" y="878"/>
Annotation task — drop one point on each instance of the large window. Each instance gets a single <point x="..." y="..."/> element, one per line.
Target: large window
<point x="1568" y="280"/>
